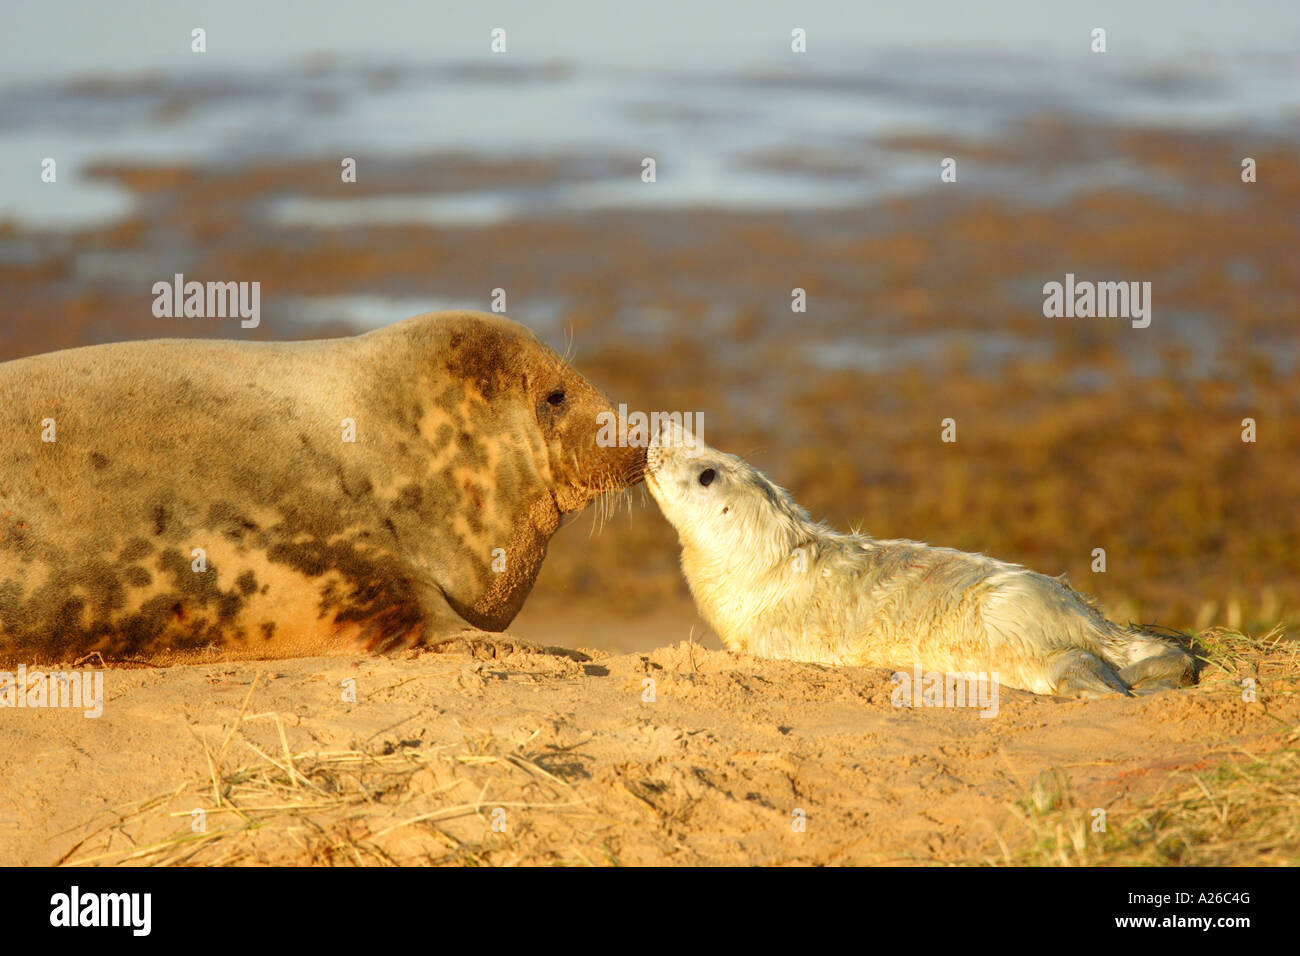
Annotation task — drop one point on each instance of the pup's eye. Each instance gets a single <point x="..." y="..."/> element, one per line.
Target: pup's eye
<point x="707" y="476"/>
<point x="555" y="398"/>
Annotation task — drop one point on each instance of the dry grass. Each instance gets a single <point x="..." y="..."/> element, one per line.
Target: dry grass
<point x="1272" y="659"/>
<point x="1245" y="811"/>
<point x="400" y="803"/>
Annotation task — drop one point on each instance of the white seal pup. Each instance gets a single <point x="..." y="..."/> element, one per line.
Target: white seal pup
<point x="774" y="583"/>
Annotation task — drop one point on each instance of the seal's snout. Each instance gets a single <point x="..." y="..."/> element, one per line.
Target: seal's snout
<point x="654" y="457"/>
<point x="638" y="435"/>
<point x="639" y="439"/>
<point x="672" y="435"/>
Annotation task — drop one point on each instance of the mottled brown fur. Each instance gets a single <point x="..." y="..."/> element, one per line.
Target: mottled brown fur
<point x="313" y="544"/>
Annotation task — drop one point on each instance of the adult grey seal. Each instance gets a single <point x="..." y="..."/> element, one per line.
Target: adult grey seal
<point x="288" y="498"/>
<point x="774" y="583"/>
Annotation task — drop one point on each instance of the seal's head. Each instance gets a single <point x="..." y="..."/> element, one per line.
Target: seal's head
<point x="572" y="415"/>
<point x="729" y="516"/>
<point x="511" y="438"/>
<point x="509" y="387"/>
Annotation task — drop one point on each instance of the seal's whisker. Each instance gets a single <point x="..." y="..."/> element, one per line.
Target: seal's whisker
<point x="609" y="498"/>
<point x="597" y="512"/>
<point x="568" y="341"/>
<point x="609" y="491"/>
<point x="602" y="507"/>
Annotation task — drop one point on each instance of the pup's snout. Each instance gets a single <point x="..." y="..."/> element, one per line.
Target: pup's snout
<point x="671" y="435"/>
<point x="654" y="458"/>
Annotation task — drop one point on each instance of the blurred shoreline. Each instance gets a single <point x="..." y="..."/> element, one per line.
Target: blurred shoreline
<point x="789" y="134"/>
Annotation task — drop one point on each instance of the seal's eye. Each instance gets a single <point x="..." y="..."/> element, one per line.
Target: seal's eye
<point x="707" y="476"/>
<point x="555" y="398"/>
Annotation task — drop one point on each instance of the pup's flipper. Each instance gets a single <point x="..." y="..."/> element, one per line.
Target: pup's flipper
<point x="1076" y="673"/>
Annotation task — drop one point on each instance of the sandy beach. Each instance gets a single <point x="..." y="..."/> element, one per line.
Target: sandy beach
<point x="564" y="750"/>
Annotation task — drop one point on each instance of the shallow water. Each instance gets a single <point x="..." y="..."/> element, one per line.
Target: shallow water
<point x="712" y="112"/>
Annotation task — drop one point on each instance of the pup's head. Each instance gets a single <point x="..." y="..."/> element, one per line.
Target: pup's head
<point x="721" y="506"/>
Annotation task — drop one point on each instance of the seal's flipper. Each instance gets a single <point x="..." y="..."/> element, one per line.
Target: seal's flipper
<point x="1170" y="669"/>
<point x="484" y="645"/>
<point x="1076" y="673"/>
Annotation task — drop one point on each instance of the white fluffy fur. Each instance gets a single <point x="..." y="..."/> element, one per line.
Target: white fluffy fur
<point x="774" y="583"/>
